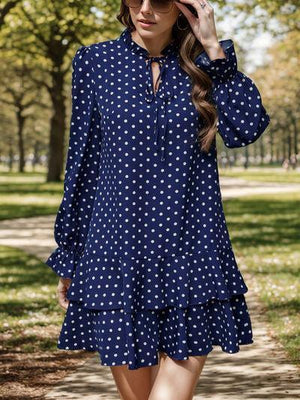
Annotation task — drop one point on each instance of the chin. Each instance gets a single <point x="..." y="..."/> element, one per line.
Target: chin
<point x="148" y="32"/>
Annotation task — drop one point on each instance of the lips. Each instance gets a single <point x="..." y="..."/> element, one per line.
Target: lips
<point x="145" y="21"/>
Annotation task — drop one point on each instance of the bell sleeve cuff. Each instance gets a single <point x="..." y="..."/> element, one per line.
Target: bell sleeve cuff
<point x="63" y="261"/>
<point x="242" y="118"/>
<point x="219" y="69"/>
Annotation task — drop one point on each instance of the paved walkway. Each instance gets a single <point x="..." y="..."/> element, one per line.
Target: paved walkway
<point x="234" y="187"/>
<point x="259" y="370"/>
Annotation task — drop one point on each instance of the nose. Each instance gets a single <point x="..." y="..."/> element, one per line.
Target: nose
<point x="146" y="6"/>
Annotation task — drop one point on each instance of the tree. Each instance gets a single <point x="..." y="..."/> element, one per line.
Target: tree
<point x="5" y="9"/>
<point x="48" y="32"/>
<point x="281" y="82"/>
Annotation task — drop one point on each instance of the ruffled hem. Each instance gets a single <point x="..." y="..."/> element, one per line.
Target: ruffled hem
<point x="135" y="339"/>
<point x="144" y="284"/>
<point x="63" y="261"/>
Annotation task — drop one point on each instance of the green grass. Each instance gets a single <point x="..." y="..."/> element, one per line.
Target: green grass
<point x="29" y="311"/>
<point x="276" y="175"/>
<point x="265" y="233"/>
<point x="28" y="195"/>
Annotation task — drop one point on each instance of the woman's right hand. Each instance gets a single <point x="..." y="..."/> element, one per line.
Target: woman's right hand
<point x="61" y="291"/>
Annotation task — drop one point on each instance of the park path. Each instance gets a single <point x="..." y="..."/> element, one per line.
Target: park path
<point x="260" y="370"/>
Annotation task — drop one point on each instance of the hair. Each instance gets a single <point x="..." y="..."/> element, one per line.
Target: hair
<point x="189" y="47"/>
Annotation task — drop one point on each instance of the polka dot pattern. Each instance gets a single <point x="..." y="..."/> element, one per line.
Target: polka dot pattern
<point x="134" y="339"/>
<point x="242" y="116"/>
<point x="141" y="228"/>
<point x="156" y="283"/>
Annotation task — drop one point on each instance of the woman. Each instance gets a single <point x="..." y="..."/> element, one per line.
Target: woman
<point x="148" y="277"/>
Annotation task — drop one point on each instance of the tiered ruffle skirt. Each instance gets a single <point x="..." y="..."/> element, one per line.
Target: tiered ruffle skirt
<point x="130" y="309"/>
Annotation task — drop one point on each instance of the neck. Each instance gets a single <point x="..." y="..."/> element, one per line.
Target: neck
<point x="153" y="46"/>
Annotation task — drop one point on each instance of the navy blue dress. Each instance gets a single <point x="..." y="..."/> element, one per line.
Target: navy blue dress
<point x="141" y="229"/>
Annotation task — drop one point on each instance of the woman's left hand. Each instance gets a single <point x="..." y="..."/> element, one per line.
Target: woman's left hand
<point x="204" y="26"/>
<point x="61" y="292"/>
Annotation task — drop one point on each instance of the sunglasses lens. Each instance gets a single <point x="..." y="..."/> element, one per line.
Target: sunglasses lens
<point x="157" y="5"/>
<point x="161" y="5"/>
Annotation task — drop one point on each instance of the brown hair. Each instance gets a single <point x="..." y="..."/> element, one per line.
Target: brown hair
<point x="189" y="48"/>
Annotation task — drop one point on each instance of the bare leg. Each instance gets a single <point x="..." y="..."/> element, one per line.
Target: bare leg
<point x="134" y="384"/>
<point x="177" y="379"/>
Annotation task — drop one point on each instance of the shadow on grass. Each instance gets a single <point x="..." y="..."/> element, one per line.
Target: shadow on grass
<point x="20" y="270"/>
<point x="22" y="309"/>
<point x="27" y="286"/>
<point x="290" y="306"/>
<point x="29" y="199"/>
<point x="11" y="211"/>
<point x="31" y="188"/>
<point x="31" y="343"/>
<point x="263" y="222"/>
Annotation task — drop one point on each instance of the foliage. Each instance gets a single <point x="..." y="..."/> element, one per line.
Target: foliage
<point x="39" y="38"/>
<point x="280" y="82"/>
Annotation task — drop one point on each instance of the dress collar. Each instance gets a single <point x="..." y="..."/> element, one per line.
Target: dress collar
<point x="170" y="48"/>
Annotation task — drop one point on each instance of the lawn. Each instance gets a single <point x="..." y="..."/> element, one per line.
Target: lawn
<point x="30" y="321"/>
<point x="276" y="175"/>
<point x="27" y="195"/>
<point x="29" y="310"/>
<point x="265" y="233"/>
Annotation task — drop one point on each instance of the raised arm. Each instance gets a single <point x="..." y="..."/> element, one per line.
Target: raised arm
<point x="242" y="116"/>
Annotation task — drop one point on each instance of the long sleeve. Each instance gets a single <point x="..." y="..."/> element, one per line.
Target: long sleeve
<point x="242" y="118"/>
<point x="81" y="172"/>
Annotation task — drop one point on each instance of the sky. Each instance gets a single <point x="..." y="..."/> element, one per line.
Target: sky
<point x="256" y="55"/>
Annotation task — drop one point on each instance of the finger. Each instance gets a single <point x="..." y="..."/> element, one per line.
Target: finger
<point x="64" y="307"/>
<point x="204" y="2"/>
<point x="63" y="302"/>
<point x="184" y="10"/>
<point x="196" y="5"/>
<point x="62" y="299"/>
<point x="187" y="13"/>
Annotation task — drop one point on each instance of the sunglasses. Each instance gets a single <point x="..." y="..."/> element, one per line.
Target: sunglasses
<point x="160" y="6"/>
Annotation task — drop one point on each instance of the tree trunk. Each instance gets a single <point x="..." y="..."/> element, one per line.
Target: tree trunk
<point x="254" y="150"/>
<point x="278" y="148"/>
<point x="57" y="129"/>
<point x="36" y="154"/>
<point x="271" y="142"/>
<point x="262" y="151"/>
<point x="234" y="156"/>
<point x="295" y="132"/>
<point x="10" y="157"/>
<point x="289" y="143"/>
<point x="284" y="147"/>
<point x="246" y="163"/>
<point x="21" y="122"/>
